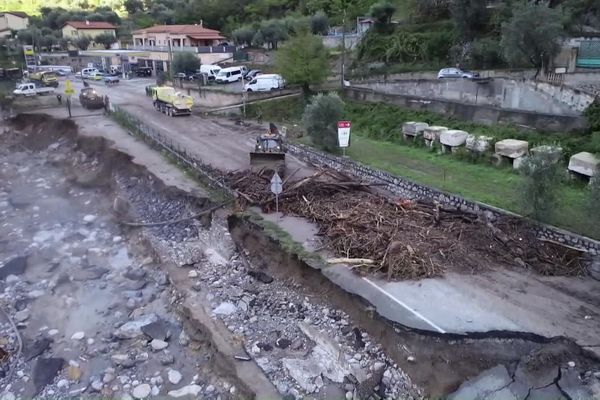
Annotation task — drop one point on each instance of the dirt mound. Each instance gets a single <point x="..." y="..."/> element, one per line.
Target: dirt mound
<point x="38" y="131"/>
<point x="405" y="239"/>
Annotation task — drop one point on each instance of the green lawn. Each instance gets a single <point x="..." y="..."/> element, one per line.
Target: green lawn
<point x="481" y="182"/>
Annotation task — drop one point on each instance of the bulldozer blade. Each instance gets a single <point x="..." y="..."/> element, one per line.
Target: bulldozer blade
<point x="274" y="161"/>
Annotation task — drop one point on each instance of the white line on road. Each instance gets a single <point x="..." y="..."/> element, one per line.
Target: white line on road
<point x="399" y="302"/>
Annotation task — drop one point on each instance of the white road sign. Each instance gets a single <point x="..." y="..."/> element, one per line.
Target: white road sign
<point x="344" y="133"/>
<point x="276" y="184"/>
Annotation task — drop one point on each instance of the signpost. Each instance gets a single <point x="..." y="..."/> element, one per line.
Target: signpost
<point x="69" y="92"/>
<point x="276" y="188"/>
<point x="344" y="135"/>
<point x="29" y="54"/>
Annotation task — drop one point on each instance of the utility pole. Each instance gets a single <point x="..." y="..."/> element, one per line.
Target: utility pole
<point x="343" y="43"/>
<point x="170" y="62"/>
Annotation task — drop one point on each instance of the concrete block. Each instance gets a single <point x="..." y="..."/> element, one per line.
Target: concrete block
<point x="413" y="128"/>
<point x="518" y="162"/>
<point x="453" y="138"/>
<point x="478" y="144"/>
<point x="433" y="132"/>
<point x="512" y="148"/>
<point x="551" y="154"/>
<point x="584" y="163"/>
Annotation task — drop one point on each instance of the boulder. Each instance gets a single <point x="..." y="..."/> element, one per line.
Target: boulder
<point x="512" y="148"/>
<point x="584" y="163"/>
<point x="478" y="144"/>
<point x="453" y="138"/>
<point x="133" y="329"/>
<point x="518" y="162"/>
<point x="433" y="133"/>
<point x="186" y="391"/>
<point x="413" y="128"/>
<point x="551" y="154"/>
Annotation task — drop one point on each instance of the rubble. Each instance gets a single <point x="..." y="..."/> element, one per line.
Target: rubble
<point x="412" y="239"/>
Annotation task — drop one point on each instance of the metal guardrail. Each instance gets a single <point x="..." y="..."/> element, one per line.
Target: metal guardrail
<point x="157" y="139"/>
<point x="188" y="49"/>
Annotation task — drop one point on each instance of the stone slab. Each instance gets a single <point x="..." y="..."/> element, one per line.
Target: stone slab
<point x="584" y="163"/>
<point x="553" y="154"/>
<point x="453" y="138"/>
<point x="478" y="144"/>
<point x="433" y="132"/>
<point x="412" y="128"/>
<point x="512" y="148"/>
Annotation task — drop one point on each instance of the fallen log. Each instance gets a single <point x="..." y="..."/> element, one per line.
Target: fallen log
<point x="352" y="261"/>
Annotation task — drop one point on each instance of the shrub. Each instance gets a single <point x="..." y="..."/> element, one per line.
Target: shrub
<point x="592" y="114"/>
<point x="539" y="191"/>
<point x="320" y="120"/>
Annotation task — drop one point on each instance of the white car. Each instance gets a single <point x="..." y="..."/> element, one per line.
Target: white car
<point x="456" y="73"/>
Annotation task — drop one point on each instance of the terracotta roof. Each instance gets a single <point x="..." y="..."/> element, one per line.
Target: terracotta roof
<point x="16" y="13"/>
<point x="90" y="25"/>
<point x="194" y="31"/>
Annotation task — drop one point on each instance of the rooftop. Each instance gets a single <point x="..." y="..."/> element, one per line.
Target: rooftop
<point x="20" y="14"/>
<point x="90" y="25"/>
<point x="193" y="31"/>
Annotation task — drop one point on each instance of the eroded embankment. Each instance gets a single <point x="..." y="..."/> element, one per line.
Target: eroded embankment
<point x="437" y="362"/>
<point x="250" y="299"/>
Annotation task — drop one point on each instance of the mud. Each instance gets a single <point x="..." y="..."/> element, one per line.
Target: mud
<point x="207" y="264"/>
<point x="442" y="362"/>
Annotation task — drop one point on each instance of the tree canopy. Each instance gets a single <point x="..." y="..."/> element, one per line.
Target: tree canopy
<point x="303" y="61"/>
<point x="525" y="42"/>
<point x="185" y="62"/>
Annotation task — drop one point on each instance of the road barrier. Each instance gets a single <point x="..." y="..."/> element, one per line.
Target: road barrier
<point x="395" y="184"/>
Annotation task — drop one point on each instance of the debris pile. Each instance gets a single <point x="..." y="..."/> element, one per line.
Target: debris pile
<point x="404" y="239"/>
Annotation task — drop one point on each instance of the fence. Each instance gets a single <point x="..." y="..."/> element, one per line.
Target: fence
<point x="395" y="184"/>
<point x="157" y="140"/>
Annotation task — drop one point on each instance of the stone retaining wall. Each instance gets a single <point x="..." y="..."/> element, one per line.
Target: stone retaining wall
<point x="408" y="189"/>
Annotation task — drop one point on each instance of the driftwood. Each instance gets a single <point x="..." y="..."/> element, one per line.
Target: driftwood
<point x="350" y="261"/>
<point x="404" y="238"/>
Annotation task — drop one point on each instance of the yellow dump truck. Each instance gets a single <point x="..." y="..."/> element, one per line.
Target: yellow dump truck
<point x="44" y="78"/>
<point x="168" y="101"/>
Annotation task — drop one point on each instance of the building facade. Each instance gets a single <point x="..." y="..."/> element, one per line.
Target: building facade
<point x="72" y="30"/>
<point x="161" y="42"/>
<point x="12" y="21"/>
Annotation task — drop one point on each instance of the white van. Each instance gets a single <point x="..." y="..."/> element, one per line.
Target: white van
<point x="231" y="74"/>
<point x="210" y="70"/>
<point x="87" y="73"/>
<point x="265" y="82"/>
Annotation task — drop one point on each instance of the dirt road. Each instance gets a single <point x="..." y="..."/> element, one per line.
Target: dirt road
<point x="222" y="143"/>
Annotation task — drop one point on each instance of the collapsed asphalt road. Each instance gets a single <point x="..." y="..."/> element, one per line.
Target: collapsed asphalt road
<point x="297" y="327"/>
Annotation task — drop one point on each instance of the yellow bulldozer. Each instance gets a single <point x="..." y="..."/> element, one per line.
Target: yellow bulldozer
<point x="269" y="152"/>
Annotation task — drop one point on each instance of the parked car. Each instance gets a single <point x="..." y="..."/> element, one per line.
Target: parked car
<point x="143" y="71"/>
<point x="265" y="83"/>
<point x="231" y="74"/>
<point x="456" y="73"/>
<point x="252" y="74"/>
<point x="31" y="89"/>
<point x="88" y="73"/>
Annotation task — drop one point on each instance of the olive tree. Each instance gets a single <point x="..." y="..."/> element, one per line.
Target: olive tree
<point x="320" y="120"/>
<point x="531" y="36"/>
<point x="539" y="189"/>
<point x="303" y="61"/>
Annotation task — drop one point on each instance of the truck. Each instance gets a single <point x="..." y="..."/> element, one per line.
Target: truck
<point x="31" y="89"/>
<point x="44" y="78"/>
<point x="168" y="101"/>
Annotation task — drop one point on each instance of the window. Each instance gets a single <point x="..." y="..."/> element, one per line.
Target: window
<point x="236" y="72"/>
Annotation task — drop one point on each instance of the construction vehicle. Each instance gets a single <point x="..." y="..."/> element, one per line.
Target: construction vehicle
<point x="91" y="99"/>
<point x="269" y="152"/>
<point x="168" y="101"/>
<point x="44" y="78"/>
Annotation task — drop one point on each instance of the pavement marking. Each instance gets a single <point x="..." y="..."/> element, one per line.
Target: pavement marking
<point x="399" y="302"/>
